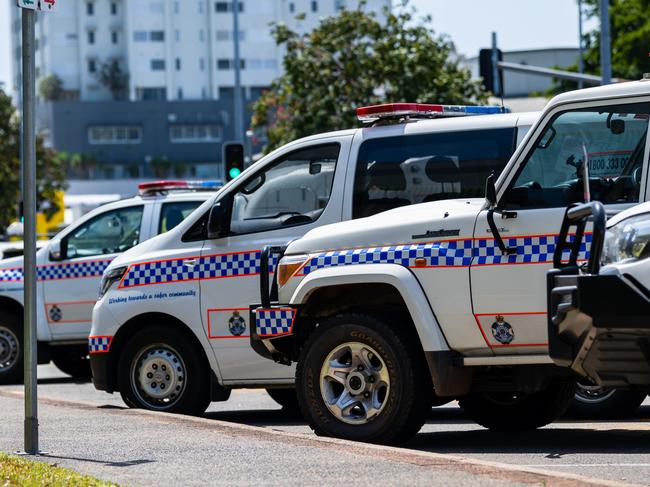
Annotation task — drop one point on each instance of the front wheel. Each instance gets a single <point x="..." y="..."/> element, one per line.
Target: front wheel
<point x="508" y="411"/>
<point x="161" y="370"/>
<point x="358" y="379"/>
<point x="11" y="349"/>
<point x="592" y="401"/>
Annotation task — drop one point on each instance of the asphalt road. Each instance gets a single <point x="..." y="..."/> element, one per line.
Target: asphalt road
<point x="615" y="451"/>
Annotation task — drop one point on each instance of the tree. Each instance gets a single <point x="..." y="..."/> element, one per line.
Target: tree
<point x="355" y="59"/>
<point x="50" y="170"/>
<point x="110" y="74"/>
<point x="50" y="87"/>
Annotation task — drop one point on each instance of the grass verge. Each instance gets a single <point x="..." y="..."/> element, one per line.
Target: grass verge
<point x="16" y="471"/>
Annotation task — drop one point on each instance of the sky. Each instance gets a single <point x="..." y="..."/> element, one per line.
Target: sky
<point x="520" y="24"/>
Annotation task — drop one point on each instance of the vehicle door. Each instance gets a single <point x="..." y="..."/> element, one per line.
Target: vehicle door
<point x="71" y="279"/>
<point x="284" y="199"/>
<point x="509" y="288"/>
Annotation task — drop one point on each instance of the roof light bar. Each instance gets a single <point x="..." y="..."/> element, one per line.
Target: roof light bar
<point x="156" y="187"/>
<point x="422" y="110"/>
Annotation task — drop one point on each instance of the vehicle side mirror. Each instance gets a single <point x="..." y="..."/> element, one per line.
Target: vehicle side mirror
<point x="218" y="219"/>
<point x="490" y="191"/>
<point x="56" y="250"/>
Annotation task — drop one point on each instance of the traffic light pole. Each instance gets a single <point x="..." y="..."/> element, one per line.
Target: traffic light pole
<point x="605" y="43"/>
<point x="29" y="233"/>
<point x="238" y="115"/>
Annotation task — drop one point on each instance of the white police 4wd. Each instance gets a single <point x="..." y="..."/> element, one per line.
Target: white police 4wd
<point x="69" y="270"/>
<point x="451" y="295"/>
<point x="171" y="330"/>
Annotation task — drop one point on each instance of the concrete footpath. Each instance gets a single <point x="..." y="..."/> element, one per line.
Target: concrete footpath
<point x="132" y="447"/>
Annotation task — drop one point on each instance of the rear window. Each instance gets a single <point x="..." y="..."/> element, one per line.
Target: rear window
<point x="409" y="169"/>
<point x="172" y="214"/>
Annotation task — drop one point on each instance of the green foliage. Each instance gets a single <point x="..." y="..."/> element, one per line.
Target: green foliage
<point x="355" y="59"/>
<point x="111" y="75"/>
<point x="50" y="87"/>
<point x="50" y="168"/>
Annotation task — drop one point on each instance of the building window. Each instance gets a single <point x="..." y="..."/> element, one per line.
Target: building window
<point x="203" y="92"/>
<point x="200" y="7"/>
<point x="224" y="7"/>
<point x="178" y="64"/>
<point x="147" y="94"/>
<point x="113" y="8"/>
<point x="157" y="64"/>
<point x="179" y="93"/>
<point x="114" y="37"/>
<point x="201" y="35"/>
<point x="114" y="134"/>
<point x="314" y="6"/>
<point x="92" y="66"/>
<point x="339" y="5"/>
<point x="177" y="35"/>
<point x="140" y="36"/>
<point x="226" y="64"/>
<point x="194" y="134"/>
<point x="227" y="35"/>
<point x="201" y="64"/>
<point x="177" y="7"/>
<point x="90" y="8"/>
<point x="157" y="36"/>
<point x="292" y="7"/>
<point x="91" y="37"/>
<point x="262" y="63"/>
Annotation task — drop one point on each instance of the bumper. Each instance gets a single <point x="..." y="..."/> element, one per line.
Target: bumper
<point x="101" y="365"/>
<point x="599" y="325"/>
<point x="272" y="332"/>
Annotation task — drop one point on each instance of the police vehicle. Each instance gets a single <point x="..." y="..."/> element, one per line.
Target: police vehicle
<point x="599" y="311"/>
<point x="171" y="330"/>
<point x="70" y="267"/>
<point x="449" y="297"/>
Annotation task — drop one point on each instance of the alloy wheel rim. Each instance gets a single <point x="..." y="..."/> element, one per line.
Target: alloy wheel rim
<point x="354" y="383"/>
<point x="592" y="394"/>
<point x="158" y="376"/>
<point x="9" y="349"/>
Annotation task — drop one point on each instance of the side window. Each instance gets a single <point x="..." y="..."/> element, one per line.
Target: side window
<point x="612" y="140"/>
<point x="111" y="232"/>
<point x="294" y="191"/>
<point x="409" y="169"/>
<point x="171" y="214"/>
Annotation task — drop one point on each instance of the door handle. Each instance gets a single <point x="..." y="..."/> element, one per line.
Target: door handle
<point x="190" y="262"/>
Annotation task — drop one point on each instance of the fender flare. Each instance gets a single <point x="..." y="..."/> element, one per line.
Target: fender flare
<point x="399" y="277"/>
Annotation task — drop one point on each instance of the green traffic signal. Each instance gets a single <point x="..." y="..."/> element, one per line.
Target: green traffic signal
<point x="234" y="172"/>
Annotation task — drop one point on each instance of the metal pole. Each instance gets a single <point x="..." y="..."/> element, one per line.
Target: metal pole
<point x="238" y="115"/>
<point x="605" y="43"/>
<point x="581" y="60"/>
<point x="29" y="199"/>
<point x="495" y="69"/>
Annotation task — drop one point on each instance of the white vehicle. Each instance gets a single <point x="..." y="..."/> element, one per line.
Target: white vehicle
<point x="170" y="330"/>
<point x="599" y="315"/>
<point x="70" y="267"/>
<point x="451" y="296"/>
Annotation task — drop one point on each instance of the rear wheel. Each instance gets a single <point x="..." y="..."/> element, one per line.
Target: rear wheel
<point x="72" y="362"/>
<point x="592" y="401"/>
<point x="357" y="379"/>
<point x="286" y="398"/>
<point x="506" y="411"/>
<point x="11" y="349"/>
<point x="161" y="370"/>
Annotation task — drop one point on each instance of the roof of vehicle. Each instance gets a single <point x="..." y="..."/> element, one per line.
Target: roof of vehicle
<point x="617" y="90"/>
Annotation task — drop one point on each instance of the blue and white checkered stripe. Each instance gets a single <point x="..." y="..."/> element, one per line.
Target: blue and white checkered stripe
<point x="272" y="322"/>
<point x="208" y="267"/>
<point x="58" y="271"/>
<point x="457" y="253"/>
<point x="99" y="344"/>
<point x="529" y="250"/>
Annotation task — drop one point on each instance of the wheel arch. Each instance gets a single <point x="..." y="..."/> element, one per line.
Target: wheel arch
<point x="11" y="305"/>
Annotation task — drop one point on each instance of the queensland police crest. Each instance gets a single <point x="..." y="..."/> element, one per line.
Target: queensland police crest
<point x="502" y="331"/>
<point x="55" y="313"/>
<point x="236" y="324"/>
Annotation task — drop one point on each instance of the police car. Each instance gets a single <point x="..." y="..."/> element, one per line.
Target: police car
<point x="449" y="297"/>
<point x="171" y="329"/>
<point x="70" y="267"/>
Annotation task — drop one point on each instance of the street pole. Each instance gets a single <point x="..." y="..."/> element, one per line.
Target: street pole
<point x="29" y="201"/>
<point x="495" y="68"/>
<point x="581" y="60"/>
<point x="238" y="115"/>
<point x="605" y="43"/>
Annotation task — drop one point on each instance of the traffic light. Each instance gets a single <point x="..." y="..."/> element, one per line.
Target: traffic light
<point x="233" y="156"/>
<point x="486" y="71"/>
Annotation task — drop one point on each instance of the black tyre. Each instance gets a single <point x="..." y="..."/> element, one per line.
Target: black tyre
<point x="591" y="401"/>
<point x="160" y="369"/>
<point x="11" y="349"/>
<point x="505" y="411"/>
<point x="286" y="398"/>
<point x="358" y="379"/>
<point x="72" y="362"/>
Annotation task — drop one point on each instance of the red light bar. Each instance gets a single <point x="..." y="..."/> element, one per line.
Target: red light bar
<point x="154" y="187"/>
<point x="421" y="110"/>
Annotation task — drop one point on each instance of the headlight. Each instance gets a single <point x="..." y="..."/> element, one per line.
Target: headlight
<point x="628" y="240"/>
<point x="289" y="266"/>
<point x="109" y="278"/>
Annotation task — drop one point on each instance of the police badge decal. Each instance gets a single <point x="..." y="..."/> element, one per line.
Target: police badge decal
<point x="236" y="324"/>
<point x="502" y="331"/>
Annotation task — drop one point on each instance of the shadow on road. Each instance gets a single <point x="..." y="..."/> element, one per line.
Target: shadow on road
<point x="62" y="380"/>
<point x="108" y="463"/>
